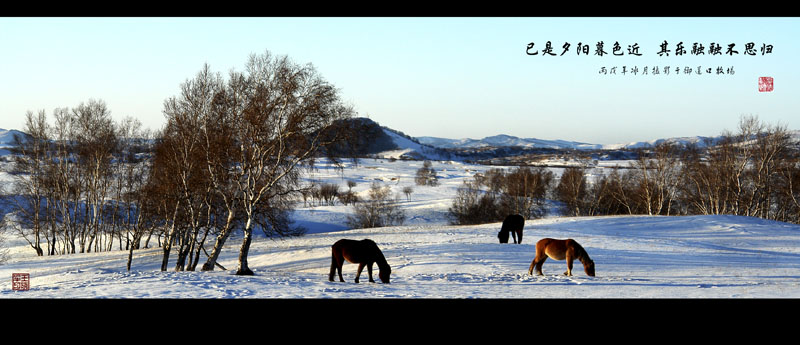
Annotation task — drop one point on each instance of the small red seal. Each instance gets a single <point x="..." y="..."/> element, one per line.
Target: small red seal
<point x="20" y="281"/>
<point x="765" y="84"/>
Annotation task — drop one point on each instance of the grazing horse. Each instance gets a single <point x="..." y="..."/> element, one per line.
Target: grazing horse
<point x="363" y="253"/>
<point x="561" y="250"/>
<point x="513" y="224"/>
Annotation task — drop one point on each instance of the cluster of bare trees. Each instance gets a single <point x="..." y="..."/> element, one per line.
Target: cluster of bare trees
<point x="77" y="180"/>
<point x="490" y="197"/>
<point x="232" y="151"/>
<point x="426" y="175"/>
<point x="379" y="209"/>
<point x="229" y="157"/>
<point x="753" y="172"/>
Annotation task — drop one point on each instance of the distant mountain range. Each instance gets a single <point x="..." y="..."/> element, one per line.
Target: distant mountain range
<point x="503" y="140"/>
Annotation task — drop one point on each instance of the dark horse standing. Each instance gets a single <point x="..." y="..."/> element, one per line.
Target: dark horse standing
<point x="363" y="253"/>
<point x="514" y="224"/>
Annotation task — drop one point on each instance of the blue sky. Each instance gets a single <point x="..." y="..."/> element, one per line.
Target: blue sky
<point x="445" y="77"/>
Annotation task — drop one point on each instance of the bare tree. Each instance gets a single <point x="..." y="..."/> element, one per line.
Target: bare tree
<point x="183" y="153"/>
<point x="658" y="178"/>
<point x="472" y="205"/>
<point x="3" y="250"/>
<point x="407" y="190"/>
<point x="96" y="139"/>
<point x="772" y="152"/>
<point x="524" y="192"/>
<point x="426" y="175"/>
<point x="289" y="108"/>
<point x="29" y="189"/>
<point x="621" y="189"/>
<point x="380" y="209"/>
<point x="789" y="191"/>
<point x="521" y="191"/>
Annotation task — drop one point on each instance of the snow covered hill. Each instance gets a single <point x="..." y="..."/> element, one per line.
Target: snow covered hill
<point x="7" y="140"/>
<point x="407" y="148"/>
<point x="635" y="256"/>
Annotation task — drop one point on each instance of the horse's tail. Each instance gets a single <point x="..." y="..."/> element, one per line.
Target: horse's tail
<point x="334" y="263"/>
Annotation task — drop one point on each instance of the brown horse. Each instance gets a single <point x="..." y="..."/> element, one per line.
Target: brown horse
<point x="363" y="253"/>
<point x="513" y="224"/>
<point x="561" y="250"/>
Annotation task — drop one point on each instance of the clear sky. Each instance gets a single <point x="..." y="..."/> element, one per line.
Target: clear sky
<point x="445" y="77"/>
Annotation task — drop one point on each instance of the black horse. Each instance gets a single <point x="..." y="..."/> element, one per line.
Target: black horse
<point x="514" y="224"/>
<point x="363" y="253"/>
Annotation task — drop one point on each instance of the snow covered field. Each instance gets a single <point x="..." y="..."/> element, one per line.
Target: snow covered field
<point x="635" y="257"/>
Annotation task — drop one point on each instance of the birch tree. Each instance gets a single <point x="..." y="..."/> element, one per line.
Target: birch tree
<point x="29" y="186"/>
<point x="285" y="120"/>
<point x="252" y="136"/>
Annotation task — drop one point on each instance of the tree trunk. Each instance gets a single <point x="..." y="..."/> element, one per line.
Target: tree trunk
<point x="167" y="247"/>
<point x="243" y="269"/>
<point x="223" y="236"/>
<point x="136" y="238"/>
<point x="165" y="258"/>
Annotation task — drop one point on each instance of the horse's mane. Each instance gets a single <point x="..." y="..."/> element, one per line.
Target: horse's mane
<point x="580" y="253"/>
<point x="379" y="258"/>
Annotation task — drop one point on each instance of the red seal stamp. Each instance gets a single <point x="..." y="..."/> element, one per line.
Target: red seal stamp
<point x="20" y="281"/>
<point x="765" y="84"/>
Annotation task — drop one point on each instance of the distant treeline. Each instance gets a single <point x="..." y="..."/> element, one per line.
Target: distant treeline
<point x="754" y="171"/>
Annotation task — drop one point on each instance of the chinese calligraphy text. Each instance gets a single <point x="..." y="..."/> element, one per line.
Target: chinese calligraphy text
<point x="664" y="49"/>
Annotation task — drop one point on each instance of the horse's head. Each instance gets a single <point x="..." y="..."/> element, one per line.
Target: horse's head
<point x="503" y="236"/>
<point x="384" y="274"/>
<point x="589" y="268"/>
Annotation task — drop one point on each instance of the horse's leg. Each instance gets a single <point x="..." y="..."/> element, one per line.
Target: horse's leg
<point x="537" y="264"/>
<point x="514" y="236"/>
<point x="369" y="271"/>
<point x="520" y="236"/>
<point x="336" y="265"/>
<point x="358" y="274"/>
<point x="569" y="266"/>
<point x="339" y="269"/>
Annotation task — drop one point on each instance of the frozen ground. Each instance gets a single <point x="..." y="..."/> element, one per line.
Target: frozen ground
<point x="635" y="257"/>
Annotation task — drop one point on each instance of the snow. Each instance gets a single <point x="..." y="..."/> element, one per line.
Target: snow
<point x="635" y="256"/>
